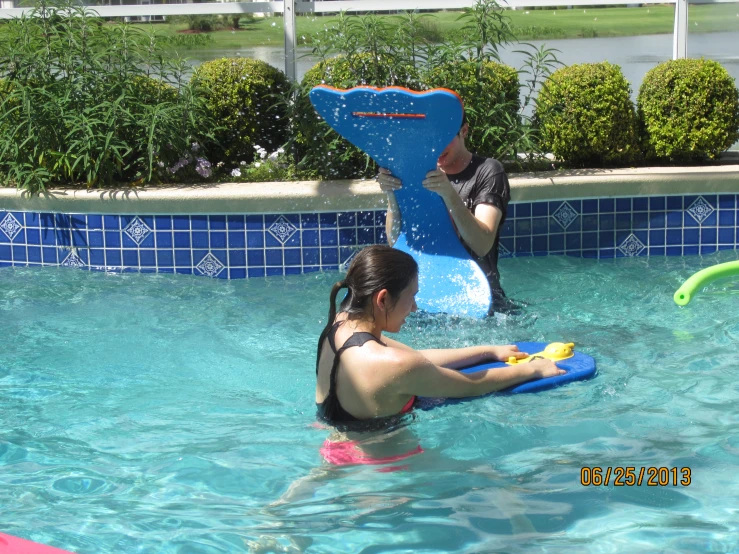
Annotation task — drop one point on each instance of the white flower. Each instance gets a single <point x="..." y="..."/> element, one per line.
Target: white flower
<point x="195" y="147"/>
<point x="236" y="172"/>
<point x="280" y="150"/>
<point x="257" y="164"/>
<point x="242" y="162"/>
<point x="273" y="156"/>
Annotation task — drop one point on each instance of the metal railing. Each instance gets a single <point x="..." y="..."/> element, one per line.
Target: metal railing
<point x="288" y="9"/>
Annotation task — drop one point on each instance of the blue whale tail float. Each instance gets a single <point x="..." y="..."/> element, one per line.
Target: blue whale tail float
<point x="405" y="131"/>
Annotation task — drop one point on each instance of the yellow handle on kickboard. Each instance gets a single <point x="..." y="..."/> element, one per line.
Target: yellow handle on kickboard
<point x="554" y="351"/>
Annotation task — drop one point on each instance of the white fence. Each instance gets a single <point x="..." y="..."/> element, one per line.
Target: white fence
<point x="289" y="8"/>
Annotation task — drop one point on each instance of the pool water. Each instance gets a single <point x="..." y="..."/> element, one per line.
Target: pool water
<point x="175" y="414"/>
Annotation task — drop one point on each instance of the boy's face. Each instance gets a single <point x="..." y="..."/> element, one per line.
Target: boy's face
<point x="455" y="148"/>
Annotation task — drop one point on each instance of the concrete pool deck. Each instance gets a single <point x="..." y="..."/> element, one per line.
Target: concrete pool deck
<point x="348" y="195"/>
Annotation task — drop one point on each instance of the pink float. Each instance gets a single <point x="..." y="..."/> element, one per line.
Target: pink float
<point x="14" y="545"/>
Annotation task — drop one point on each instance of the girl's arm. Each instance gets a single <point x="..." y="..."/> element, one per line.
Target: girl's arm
<point x="456" y="358"/>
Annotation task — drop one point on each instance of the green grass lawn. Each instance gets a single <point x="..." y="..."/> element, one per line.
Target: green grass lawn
<point x="528" y="25"/>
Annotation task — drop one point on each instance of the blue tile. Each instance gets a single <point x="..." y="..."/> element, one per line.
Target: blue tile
<point x="163" y="239"/>
<point x="523" y="244"/>
<point x="606" y="205"/>
<point x="674" y="250"/>
<point x="6" y="252"/>
<point x="380" y="237"/>
<point x="200" y="239"/>
<point x="79" y="237"/>
<point x="573" y="242"/>
<point x="237" y="273"/>
<point x="727" y="218"/>
<point x="348" y="219"/>
<point x="294" y="240"/>
<point x="131" y="258"/>
<point x="197" y="257"/>
<point x="236" y="239"/>
<point x="63" y="237"/>
<point x="364" y="219"/>
<point x="643" y="236"/>
<point x="511" y="211"/>
<point x="78" y="221"/>
<point x="255" y="272"/>
<point x="589" y="207"/>
<point x="161" y="269"/>
<point x="737" y="235"/>
<point x="111" y="222"/>
<point x="523" y="210"/>
<point x="380" y="217"/>
<point x="31" y="219"/>
<point x="293" y="218"/>
<point x="691" y="236"/>
<point x="690" y="250"/>
<point x="328" y="220"/>
<point x="329" y="237"/>
<point x="726" y="235"/>
<point x="506" y="229"/>
<point x="183" y="270"/>
<point x="674" y="237"/>
<point x="539" y="225"/>
<point x="272" y="271"/>
<point x="640" y="204"/>
<point x="293" y="271"/>
<point x="218" y="238"/>
<point x="507" y="243"/>
<point x="269" y="219"/>
<point x="711" y="220"/>
<point x="590" y="240"/>
<point x="657" y="238"/>
<point x="97" y="256"/>
<point x="183" y="257"/>
<point x="576" y="204"/>
<point x="329" y="256"/>
<point x="311" y="256"/>
<point x="347" y="237"/>
<point x="641" y="220"/>
<point x="727" y="201"/>
<point x="657" y="203"/>
<point x="726" y="247"/>
<point x="539" y="209"/>
<point x="589" y="253"/>
<point x="657" y="220"/>
<point x="112" y="239"/>
<point x="48" y="255"/>
<point x="606" y="239"/>
<point x="293" y="256"/>
<point x="217" y="222"/>
<point x="255" y="257"/>
<point x="48" y="237"/>
<point x="708" y="249"/>
<point x="709" y="235"/>
<point x="556" y="241"/>
<point x="606" y="222"/>
<point x="34" y="254"/>
<point x="623" y="221"/>
<point x="147" y="258"/>
<point x="33" y="236"/>
<point x="113" y="258"/>
<point x="656" y="250"/>
<point x="688" y="220"/>
<point x="182" y="239"/>
<point x="623" y="205"/>
<point x="273" y="257"/>
<point x="309" y="221"/>
<point x="165" y="257"/>
<point x="271" y="241"/>
<point x="236" y="222"/>
<point x="540" y="243"/>
<point x="674" y="219"/>
<point x="255" y="239"/>
<point x="365" y="236"/>
<point x="522" y="227"/>
<point x="95" y="239"/>
<point x="237" y="258"/>
<point x="19" y="254"/>
<point x="589" y="223"/>
<point x="148" y="241"/>
<point x="199" y="222"/>
<point x="674" y="202"/>
<point x="181" y="222"/>
<point x="220" y="255"/>
<point x="255" y="222"/>
<point x="163" y="223"/>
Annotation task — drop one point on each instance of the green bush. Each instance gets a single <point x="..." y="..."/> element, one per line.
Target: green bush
<point x="586" y="117"/>
<point x="688" y="109"/>
<point x="246" y="98"/>
<point x="490" y="92"/>
<point x="320" y="148"/>
<point x="80" y="107"/>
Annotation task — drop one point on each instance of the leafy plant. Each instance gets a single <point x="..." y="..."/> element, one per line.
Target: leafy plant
<point x="82" y="104"/>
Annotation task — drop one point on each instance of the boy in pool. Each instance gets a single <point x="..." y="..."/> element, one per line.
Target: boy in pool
<point x="476" y="193"/>
<point x="364" y="378"/>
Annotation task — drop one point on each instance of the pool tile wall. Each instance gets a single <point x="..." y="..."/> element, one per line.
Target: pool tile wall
<point x="258" y="245"/>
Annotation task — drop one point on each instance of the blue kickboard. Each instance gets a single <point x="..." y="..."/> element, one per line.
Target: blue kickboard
<point x="405" y="131"/>
<point x="579" y="367"/>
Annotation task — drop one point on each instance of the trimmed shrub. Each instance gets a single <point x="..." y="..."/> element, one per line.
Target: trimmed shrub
<point x="688" y="109"/>
<point x="246" y="98"/>
<point x="586" y="117"/>
<point x="490" y="92"/>
<point x="320" y="148"/>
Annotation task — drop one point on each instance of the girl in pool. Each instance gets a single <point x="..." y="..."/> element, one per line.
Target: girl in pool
<point x="364" y="377"/>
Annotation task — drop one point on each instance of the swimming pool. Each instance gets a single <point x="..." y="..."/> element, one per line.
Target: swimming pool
<point x="168" y="413"/>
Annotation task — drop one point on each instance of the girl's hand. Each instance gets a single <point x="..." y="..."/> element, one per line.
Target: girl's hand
<point x="387" y="182"/>
<point x="544" y="368"/>
<point x="502" y="353"/>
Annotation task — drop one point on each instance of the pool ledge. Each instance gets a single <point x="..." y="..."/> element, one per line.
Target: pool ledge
<point x="349" y="195"/>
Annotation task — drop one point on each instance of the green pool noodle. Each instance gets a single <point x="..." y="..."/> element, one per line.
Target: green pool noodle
<point x="703" y="277"/>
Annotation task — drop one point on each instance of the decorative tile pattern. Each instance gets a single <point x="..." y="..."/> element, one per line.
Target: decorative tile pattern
<point x="137" y="230"/>
<point x="73" y="260"/>
<point x="210" y="266"/>
<point x="700" y="209"/>
<point x="565" y="215"/>
<point x="503" y="252"/>
<point x="632" y="246"/>
<point x="282" y="229"/>
<point x="10" y="226"/>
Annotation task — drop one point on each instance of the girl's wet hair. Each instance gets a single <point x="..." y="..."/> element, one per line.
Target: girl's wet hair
<point x="374" y="268"/>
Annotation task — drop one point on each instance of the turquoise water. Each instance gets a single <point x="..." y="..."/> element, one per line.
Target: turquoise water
<point x="174" y="414"/>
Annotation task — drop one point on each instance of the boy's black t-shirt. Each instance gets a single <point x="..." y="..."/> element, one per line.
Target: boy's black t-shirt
<point x="484" y="181"/>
